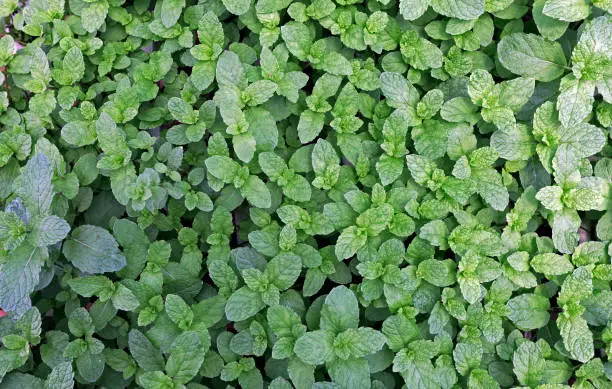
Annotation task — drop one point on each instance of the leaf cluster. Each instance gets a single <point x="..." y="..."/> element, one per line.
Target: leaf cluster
<point x="313" y="194"/>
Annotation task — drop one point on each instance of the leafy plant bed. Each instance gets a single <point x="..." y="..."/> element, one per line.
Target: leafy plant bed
<point x="315" y="195"/>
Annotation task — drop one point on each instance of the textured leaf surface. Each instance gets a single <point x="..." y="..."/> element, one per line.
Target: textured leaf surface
<point x="94" y="250"/>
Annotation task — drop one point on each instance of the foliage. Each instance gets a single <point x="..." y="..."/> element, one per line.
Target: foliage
<point x="324" y="194"/>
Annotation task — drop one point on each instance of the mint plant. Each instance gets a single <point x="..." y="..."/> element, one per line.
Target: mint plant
<point x="317" y="194"/>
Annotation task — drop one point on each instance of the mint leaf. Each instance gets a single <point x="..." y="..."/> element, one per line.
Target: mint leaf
<point x="575" y="101"/>
<point x="340" y="310"/>
<point x="314" y="348"/>
<point x="310" y="195"/>
<point x="20" y="275"/>
<point x="93" y="250"/>
<point x="459" y="9"/>
<point x="530" y="55"/>
<point x="566" y="10"/>
<point x="577" y="337"/>
<point x="348" y="373"/>
<point x="529" y="311"/>
<point x="171" y="11"/>
<point x="185" y="357"/>
<point x="147" y="356"/>
<point x="34" y="185"/>
<point x="551" y="264"/>
<point x="243" y="304"/>
<point x="529" y="364"/>
<point x="61" y="377"/>
<point x="412" y="10"/>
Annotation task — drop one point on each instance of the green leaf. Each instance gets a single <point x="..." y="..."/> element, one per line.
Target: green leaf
<point x="591" y="57"/>
<point x="438" y="273"/>
<point x="259" y="92"/>
<point x="92" y="249"/>
<point x="7" y="49"/>
<point x="269" y="6"/>
<point x="79" y="133"/>
<point x="350" y="240"/>
<point x="394" y="132"/>
<point x="435" y="232"/>
<point x="397" y="90"/>
<point x="460" y="9"/>
<point x="124" y="299"/>
<point x="576" y="286"/>
<point x="358" y="343"/>
<point x="480" y="85"/>
<point x="421" y="373"/>
<point x="323" y="156"/>
<point x="222" y="167"/>
<point x="171" y="11"/>
<point x="519" y="260"/>
<point x="551" y="264"/>
<point x="112" y="142"/>
<point x="399" y="331"/>
<point x="310" y="125"/>
<point x="550" y="28"/>
<point x="244" y="146"/>
<point x="314" y="348"/>
<point x="531" y="55"/>
<point x="273" y="165"/>
<point x="577" y="337"/>
<point x="529" y="311"/>
<point x="229" y="70"/>
<point x="336" y="63"/>
<point x="389" y="169"/>
<point x="49" y="231"/>
<point x="489" y="185"/>
<point x="419" y="52"/>
<point x="148" y="357"/>
<point x="298" y="38"/>
<point x="575" y="101"/>
<point x="284" y="269"/>
<point x="237" y="7"/>
<point x="340" y="310"/>
<point x="90" y="366"/>
<point x="73" y="61"/>
<point x="80" y="323"/>
<point x="550" y="197"/>
<point x="375" y="220"/>
<point x="186" y="357"/>
<point x="350" y="373"/>
<point x="567" y="10"/>
<point x="243" y="304"/>
<point x="182" y="111"/>
<point x="91" y="286"/>
<point x="516" y="93"/>
<point x="211" y="36"/>
<point x="203" y="74"/>
<point x="467" y="356"/>
<point x="514" y="144"/>
<point x="34" y="185"/>
<point x="529" y="364"/>
<point x="19" y="277"/>
<point x="61" y="377"/>
<point x="282" y="320"/>
<point x="431" y="138"/>
<point x="412" y="9"/>
<point x="459" y="109"/>
<point x="565" y="230"/>
<point x="155" y="380"/>
<point x="178" y="311"/>
<point x="93" y="16"/>
<point x="256" y="192"/>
